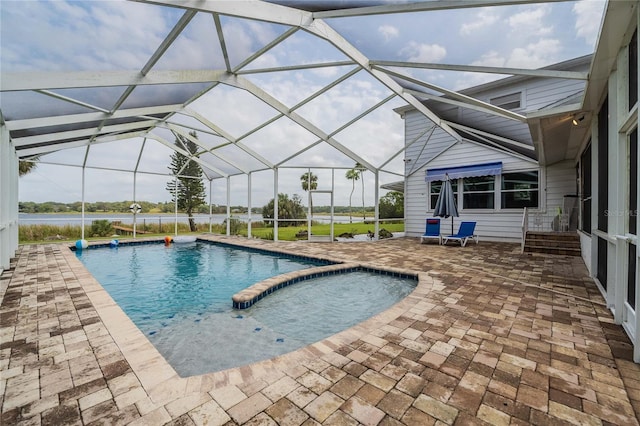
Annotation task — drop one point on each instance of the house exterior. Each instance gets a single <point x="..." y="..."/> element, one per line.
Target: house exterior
<point x="581" y="140"/>
<point x="494" y="197"/>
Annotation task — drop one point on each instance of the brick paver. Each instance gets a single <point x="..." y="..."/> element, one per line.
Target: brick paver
<point x="490" y="336"/>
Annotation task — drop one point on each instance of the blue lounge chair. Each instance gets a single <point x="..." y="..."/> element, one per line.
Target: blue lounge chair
<point x="465" y="232"/>
<point x="432" y="230"/>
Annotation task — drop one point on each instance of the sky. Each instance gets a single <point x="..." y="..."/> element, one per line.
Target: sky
<point x="115" y="35"/>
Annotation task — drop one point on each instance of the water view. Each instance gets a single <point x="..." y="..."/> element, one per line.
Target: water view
<point x="61" y="219"/>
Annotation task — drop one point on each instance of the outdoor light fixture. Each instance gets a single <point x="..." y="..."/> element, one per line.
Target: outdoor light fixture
<point x="576" y="120"/>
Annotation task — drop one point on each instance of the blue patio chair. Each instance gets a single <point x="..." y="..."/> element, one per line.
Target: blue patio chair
<point x="465" y="233"/>
<point x="432" y="230"/>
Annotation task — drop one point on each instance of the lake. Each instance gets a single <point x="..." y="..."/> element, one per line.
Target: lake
<point x="142" y="218"/>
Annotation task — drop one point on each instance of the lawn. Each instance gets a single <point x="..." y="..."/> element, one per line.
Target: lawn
<point x="289" y="233"/>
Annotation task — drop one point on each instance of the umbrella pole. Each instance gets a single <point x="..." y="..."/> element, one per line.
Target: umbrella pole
<point x="452" y="225"/>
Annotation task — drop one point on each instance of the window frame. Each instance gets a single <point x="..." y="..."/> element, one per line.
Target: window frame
<point x="496" y="193"/>
<point x="530" y="190"/>
<point x="492" y="192"/>
<point x="454" y="184"/>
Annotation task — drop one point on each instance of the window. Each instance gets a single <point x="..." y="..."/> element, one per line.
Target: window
<point x="520" y="190"/>
<point x="436" y="186"/>
<point x="511" y="101"/>
<point x="478" y="192"/>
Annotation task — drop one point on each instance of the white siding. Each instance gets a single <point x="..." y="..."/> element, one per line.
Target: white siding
<point x="466" y="153"/>
<point x="497" y="225"/>
<point x="561" y="181"/>
<point x="441" y="150"/>
<point x="419" y="154"/>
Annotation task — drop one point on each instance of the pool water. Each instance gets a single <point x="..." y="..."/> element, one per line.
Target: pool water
<point x="180" y="298"/>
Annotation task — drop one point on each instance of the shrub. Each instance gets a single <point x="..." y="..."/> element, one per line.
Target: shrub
<point x="101" y="228"/>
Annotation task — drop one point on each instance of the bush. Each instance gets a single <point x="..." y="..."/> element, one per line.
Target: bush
<point x="101" y="228"/>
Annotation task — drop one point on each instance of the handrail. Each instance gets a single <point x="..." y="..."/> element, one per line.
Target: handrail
<point x="525" y="228"/>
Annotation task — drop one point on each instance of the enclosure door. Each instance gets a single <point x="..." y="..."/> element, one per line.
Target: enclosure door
<point x="631" y="226"/>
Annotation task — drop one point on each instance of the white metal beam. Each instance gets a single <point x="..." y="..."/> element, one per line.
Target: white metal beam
<point x="326" y="32"/>
<point x="326" y="88"/>
<point x="250" y="9"/>
<point x="70" y="100"/>
<point x="52" y="137"/>
<point x="208" y="150"/>
<point x="492" y="136"/>
<point x="264" y="49"/>
<point x="423" y="7"/>
<point x="91" y="79"/>
<point x="46" y="149"/>
<point x="448" y="101"/>
<point x="230" y="138"/>
<point x="61" y="120"/>
<point x="223" y="44"/>
<point x="574" y="75"/>
<point x="297" y="67"/>
<point x="467" y="100"/>
<point x="245" y="84"/>
<point x="168" y="40"/>
<point x="191" y="157"/>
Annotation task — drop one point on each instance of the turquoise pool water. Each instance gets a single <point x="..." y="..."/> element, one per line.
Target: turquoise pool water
<point x="180" y="297"/>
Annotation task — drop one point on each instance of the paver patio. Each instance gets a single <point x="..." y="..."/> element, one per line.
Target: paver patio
<point x="489" y="336"/>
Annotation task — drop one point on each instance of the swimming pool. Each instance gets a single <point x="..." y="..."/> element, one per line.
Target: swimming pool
<point x="180" y="297"/>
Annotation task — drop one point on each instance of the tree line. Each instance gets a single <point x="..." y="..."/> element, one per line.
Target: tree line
<point x="120" y="207"/>
<point x="191" y="198"/>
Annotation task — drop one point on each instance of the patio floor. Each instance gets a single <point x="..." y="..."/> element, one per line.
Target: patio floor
<point x="490" y="336"/>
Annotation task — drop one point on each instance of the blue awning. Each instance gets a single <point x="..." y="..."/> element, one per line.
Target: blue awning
<point x="486" y="169"/>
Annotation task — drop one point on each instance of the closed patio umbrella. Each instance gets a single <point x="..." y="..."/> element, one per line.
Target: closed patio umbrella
<point x="446" y="204"/>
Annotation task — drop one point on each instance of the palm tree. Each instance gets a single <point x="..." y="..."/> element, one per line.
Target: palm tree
<point x="353" y="175"/>
<point x="309" y="181"/>
<point x="25" y="167"/>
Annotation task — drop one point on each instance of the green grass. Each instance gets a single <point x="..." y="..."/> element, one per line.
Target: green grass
<point x="33" y="234"/>
<point x="289" y="233"/>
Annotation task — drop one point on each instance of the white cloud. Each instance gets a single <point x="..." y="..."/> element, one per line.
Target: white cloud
<point x="588" y="16"/>
<point x="490" y="59"/>
<point x="484" y="19"/>
<point x="423" y="52"/>
<point x="531" y="21"/>
<point x="388" y="31"/>
<point x="535" y="55"/>
<point x="470" y="79"/>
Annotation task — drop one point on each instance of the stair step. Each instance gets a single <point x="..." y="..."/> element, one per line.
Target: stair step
<point x="553" y="250"/>
<point x="556" y="236"/>
<point x="552" y="243"/>
<point x="561" y="243"/>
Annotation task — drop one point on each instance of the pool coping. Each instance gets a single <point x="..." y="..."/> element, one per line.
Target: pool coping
<point x="163" y="384"/>
<point x="249" y="296"/>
